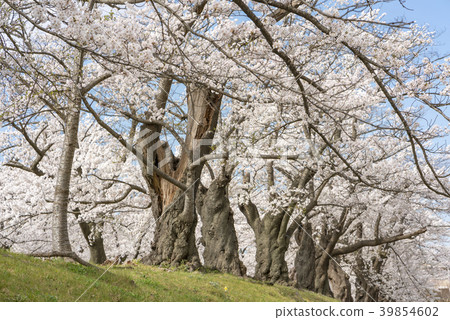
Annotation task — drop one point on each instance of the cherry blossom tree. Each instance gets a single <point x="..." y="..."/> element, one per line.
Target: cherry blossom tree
<point x="297" y="128"/>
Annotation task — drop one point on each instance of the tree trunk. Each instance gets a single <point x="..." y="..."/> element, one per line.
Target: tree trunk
<point x="305" y="258"/>
<point x="97" y="251"/>
<point x="361" y="284"/>
<point x="174" y="209"/>
<point x="93" y="236"/>
<point x="218" y="233"/>
<point x="271" y="242"/>
<point x="271" y="248"/>
<point x="321" y="281"/>
<point x="339" y="283"/>
<point x="368" y="289"/>
<point x="60" y="233"/>
<point x="174" y="239"/>
<point x="328" y="241"/>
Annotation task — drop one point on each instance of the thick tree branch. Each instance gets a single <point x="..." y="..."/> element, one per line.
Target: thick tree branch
<point x="95" y="82"/>
<point x="376" y="242"/>
<point x="138" y="154"/>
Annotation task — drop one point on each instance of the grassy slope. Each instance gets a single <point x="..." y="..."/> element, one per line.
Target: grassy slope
<point x="24" y="278"/>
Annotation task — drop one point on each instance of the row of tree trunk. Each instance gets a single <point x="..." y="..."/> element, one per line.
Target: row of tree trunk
<point x="175" y="206"/>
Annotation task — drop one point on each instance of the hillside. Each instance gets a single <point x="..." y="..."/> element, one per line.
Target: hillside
<point x="23" y="278"/>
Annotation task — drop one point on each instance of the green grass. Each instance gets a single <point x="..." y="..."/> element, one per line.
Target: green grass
<point x="23" y="278"/>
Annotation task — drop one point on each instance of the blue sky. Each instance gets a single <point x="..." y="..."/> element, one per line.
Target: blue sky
<point x="434" y="13"/>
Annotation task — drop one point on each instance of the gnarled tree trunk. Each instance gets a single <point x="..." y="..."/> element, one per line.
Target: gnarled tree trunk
<point x="367" y="289"/>
<point x="271" y="247"/>
<point x="271" y="244"/>
<point x="174" y="209"/>
<point x="218" y="232"/>
<point x="339" y="282"/>
<point x="328" y="241"/>
<point x="174" y="239"/>
<point x="305" y="258"/>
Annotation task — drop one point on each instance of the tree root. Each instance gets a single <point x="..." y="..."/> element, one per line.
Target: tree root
<point x="71" y="255"/>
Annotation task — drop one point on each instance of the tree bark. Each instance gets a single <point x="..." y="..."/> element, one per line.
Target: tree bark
<point x="218" y="232"/>
<point x="339" y="283"/>
<point x="94" y="239"/>
<point x="305" y="258"/>
<point x="271" y="244"/>
<point x="174" y="239"/>
<point x="366" y="291"/>
<point x="321" y="281"/>
<point x="328" y="241"/>
<point x="173" y="209"/>
<point x="60" y="233"/>
<point x="271" y="241"/>
<point x="60" y="237"/>
<point x="271" y="247"/>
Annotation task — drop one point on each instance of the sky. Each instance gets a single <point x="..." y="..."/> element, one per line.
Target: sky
<point x="434" y="13"/>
